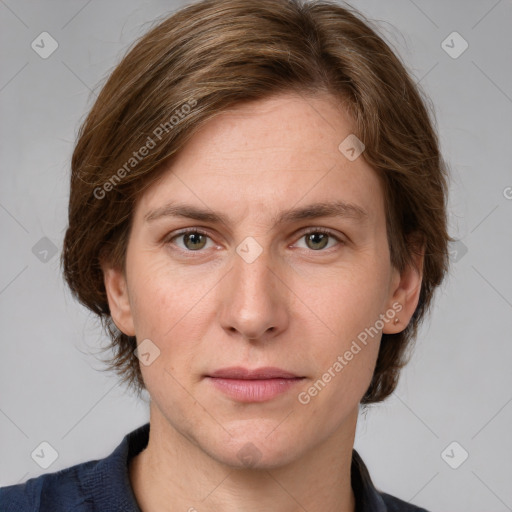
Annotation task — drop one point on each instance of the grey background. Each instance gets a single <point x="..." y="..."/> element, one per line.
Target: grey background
<point x="458" y="386"/>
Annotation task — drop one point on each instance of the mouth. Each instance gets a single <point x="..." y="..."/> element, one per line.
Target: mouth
<point x="259" y="385"/>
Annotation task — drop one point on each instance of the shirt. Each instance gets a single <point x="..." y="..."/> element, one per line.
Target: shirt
<point x="104" y="486"/>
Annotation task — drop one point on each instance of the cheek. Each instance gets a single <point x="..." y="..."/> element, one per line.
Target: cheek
<point x="172" y="308"/>
<point x="344" y="366"/>
<point x="166" y="297"/>
<point x="345" y="302"/>
<point x="346" y="346"/>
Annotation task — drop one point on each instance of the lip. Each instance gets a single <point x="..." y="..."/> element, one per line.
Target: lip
<point x="258" y="385"/>
<point x="239" y="372"/>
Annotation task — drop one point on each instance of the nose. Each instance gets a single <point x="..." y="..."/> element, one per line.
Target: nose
<point x="254" y="299"/>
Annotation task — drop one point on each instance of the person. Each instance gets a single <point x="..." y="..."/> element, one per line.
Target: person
<point x="257" y="215"/>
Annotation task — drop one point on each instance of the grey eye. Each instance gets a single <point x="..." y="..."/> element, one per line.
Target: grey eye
<point x="194" y="240"/>
<point x="317" y="240"/>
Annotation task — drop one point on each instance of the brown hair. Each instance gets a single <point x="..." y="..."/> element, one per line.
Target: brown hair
<point x="212" y="55"/>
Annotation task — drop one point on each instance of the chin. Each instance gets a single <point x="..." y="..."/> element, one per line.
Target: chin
<point x="257" y="451"/>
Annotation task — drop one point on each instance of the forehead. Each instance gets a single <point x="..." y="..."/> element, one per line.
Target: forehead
<point x="262" y="157"/>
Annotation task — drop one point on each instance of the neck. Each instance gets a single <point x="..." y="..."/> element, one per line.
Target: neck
<point x="173" y="473"/>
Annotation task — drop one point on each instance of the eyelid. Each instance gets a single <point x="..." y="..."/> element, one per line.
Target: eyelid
<point x="175" y="234"/>
<point x="319" y="229"/>
<point x="323" y="230"/>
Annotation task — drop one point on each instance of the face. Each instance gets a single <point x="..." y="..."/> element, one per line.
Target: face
<point x="255" y="267"/>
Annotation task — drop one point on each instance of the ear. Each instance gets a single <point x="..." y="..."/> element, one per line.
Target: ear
<point x="118" y="298"/>
<point x="405" y="292"/>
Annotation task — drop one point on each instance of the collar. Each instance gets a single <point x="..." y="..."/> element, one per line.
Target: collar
<point x="110" y="488"/>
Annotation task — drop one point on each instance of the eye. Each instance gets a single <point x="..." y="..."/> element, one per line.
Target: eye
<point x="317" y="239"/>
<point x="193" y="240"/>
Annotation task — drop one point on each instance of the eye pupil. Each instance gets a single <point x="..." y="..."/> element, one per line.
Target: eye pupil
<point x="195" y="238"/>
<point x="318" y="238"/>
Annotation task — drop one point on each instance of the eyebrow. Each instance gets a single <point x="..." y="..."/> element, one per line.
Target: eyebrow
<point x="323" y="209"/>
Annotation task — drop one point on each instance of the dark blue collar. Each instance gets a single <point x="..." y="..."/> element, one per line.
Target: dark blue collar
<point x="104" y="486"/>
<point x="109" y="485"/>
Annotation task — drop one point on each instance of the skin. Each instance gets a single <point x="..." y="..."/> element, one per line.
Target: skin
<point x="296" y="306"/>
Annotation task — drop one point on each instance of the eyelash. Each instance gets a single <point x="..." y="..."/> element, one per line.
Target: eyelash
<point x="199" y="231"/>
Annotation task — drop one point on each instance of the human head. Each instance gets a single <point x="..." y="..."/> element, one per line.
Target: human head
<point x="193" y="66"/>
